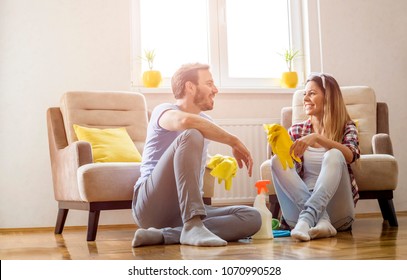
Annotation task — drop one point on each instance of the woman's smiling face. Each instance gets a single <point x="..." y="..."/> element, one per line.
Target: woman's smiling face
<point x="313" y="100"/>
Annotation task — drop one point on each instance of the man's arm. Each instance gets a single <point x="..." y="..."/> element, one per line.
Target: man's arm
<point x="175" y="120"/>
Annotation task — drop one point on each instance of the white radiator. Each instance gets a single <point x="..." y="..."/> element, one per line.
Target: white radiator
<point x="251" y="132"/>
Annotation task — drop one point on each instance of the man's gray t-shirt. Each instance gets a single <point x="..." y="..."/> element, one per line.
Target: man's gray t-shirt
<point x="159" y="139"/>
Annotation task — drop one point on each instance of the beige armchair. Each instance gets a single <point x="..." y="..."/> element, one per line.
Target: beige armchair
<point x="376" y="172"/>
<point x="80" y="183"/>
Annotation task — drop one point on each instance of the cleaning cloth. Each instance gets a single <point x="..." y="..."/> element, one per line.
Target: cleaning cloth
<point x="281" y="233"/>
<point x="224" y="168"/>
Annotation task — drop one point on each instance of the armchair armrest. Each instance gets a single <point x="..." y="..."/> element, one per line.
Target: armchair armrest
<point x="65" y="163"/>
<point x="269" y="151"/>
<point x="65" y="159"/>
<point x="381" y="144"/>
<point x="286" y="117"/>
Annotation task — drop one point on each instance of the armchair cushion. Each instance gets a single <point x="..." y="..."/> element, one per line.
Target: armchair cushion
<point x="110" y="144"/>
<point x="110" y="181"/>
<point x="114" y="181"/>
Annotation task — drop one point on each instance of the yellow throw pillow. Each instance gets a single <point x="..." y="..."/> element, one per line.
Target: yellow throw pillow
<point x="356" y="121"/>
<point x="110" y="144"/>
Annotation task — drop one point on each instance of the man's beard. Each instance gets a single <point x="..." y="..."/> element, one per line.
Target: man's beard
<point x="200" y="101"/>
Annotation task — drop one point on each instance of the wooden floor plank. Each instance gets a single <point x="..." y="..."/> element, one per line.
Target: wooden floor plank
<point x="369" y="239"/>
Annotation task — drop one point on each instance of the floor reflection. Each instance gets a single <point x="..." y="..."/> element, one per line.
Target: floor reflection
<point x="93" y="248"/>
<point x="388" y="239"/>
<point x="61" y="245"/>
<point x="159" y="252"/>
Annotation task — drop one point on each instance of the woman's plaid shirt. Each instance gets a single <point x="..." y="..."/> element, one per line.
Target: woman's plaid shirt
<point x="350" y="139"/>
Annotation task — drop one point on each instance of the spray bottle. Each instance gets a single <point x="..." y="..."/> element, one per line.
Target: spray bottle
<point x="266" y="231"/>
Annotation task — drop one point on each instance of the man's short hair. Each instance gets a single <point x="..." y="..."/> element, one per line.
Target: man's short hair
<point x="186" y="73"/>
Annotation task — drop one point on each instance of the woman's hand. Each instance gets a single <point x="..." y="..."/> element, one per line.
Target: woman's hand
<point x="318" y="140"/>
<point x="300" y="145"/>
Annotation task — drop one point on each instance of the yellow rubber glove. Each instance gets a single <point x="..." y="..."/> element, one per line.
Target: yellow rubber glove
<point x="280" y="143"/>
<point x="224" y="168"/>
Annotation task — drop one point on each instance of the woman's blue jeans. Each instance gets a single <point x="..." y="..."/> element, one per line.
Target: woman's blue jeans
<point x="331" y="198"/>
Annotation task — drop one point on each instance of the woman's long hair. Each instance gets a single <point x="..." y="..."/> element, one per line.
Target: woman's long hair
<point x="335" y="114"/>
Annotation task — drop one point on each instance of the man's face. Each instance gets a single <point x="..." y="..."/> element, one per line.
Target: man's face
<point x="205" y="91"/>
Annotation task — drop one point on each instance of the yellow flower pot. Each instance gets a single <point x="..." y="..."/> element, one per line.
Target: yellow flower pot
<point x="152" y="78"/>
<point x="289" y="79"/>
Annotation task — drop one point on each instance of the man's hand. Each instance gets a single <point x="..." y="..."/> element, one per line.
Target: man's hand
<point x="242" y="155"/>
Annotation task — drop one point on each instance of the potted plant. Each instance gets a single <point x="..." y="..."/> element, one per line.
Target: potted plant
<point x="151" y="78"/>
<point x="289" y="79"/>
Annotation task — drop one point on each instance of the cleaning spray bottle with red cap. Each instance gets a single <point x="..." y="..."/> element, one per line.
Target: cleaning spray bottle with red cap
<point x="266" y="231"/>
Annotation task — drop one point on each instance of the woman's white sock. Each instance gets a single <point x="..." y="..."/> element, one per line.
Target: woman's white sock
<point x="322" y="229"/>
<point x="300" y="231"/>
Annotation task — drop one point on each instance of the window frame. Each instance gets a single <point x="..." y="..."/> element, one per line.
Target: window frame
<point x="217" y="49"/>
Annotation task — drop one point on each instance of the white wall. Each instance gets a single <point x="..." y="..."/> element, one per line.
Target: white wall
<point x="364" y="42"/>
<point x="49" y="47"/>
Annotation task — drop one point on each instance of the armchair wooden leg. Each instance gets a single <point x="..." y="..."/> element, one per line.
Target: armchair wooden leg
<point x="207" y="200"/>
<point x="388" y="212"/>
<point x="61" y="218"/>
<point x="93" y="223"/>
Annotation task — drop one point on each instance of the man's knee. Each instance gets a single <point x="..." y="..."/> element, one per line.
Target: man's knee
<point x="194" y="134"/>
<point x="194" y="137"/>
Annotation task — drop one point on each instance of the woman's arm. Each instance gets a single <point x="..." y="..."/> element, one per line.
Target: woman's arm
<point x="315" y="139"/>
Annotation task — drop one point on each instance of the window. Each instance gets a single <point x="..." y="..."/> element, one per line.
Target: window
<point x="242" y="40"/>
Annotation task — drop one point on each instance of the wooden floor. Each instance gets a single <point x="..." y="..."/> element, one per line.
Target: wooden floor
<point x="369" y="239"/>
